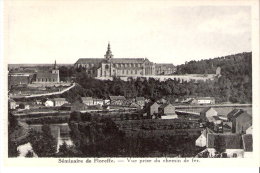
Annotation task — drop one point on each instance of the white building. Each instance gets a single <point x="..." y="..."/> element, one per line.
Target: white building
<point x="167" y="117"/>
<point x="49" y="103"/>
<point x="210" y="114"/>
<point x="24" y="149"/>
<point x="202" y="139"/>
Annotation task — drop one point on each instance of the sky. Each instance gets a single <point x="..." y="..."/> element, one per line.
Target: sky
<point x="42" y="31"/>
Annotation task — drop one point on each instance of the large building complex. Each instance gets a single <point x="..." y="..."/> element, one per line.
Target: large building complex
<point x="110" y="66"/>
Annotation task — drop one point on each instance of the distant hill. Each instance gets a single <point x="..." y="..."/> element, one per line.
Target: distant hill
<point x="238" y="63"/>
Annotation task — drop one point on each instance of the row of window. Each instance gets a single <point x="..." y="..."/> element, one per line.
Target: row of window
<point x="46" y="80"/>
<point x="128" y="71"/>
<point x="127" y="65"/>
<point x="114" y="65"/>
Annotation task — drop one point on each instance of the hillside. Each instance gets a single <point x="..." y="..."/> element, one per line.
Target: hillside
<point x="232" y="64"/>
<point x="235" y="83"/>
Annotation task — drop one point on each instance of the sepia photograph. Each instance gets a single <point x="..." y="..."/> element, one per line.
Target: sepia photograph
<point x="128" y="79"/>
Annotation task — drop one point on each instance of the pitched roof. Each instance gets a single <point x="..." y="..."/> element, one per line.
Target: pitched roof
<point x="47" y="75"/>
<point x="89" y="60"/>
<point x="117" y="97"/>
<point x="66" y="105"/>
<point x="164" y="65"/>
<point x="231" y="141"/>
<point x="227" y="125"/>
<point x="206" y="131"/>
<point x="113" y="60"/>
<point x="155" y="103"/>
<point x="59" y="99"/>
<point x="247" y="142"/>
<point x="209" y="130"/>
<point x="205" y="110"/>
<point x="11" y="100"/>
<point x="234" y="112"/>
<point x="127" y="60"/>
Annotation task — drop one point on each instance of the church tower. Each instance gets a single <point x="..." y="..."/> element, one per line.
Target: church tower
<point x="55" y="71"/>
<point x="108" y="54"/>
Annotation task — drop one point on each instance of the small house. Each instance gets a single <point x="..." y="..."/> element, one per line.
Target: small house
<point x="59" y="101"/>
<point x="167" y="111"/>
<point x="241" y="123"/>
<point x="106" y="101"/>
<point x="38" y="102"/>
<point x="154" y="108"/>
<point x="205" y="100"/>
<point x="140" y="101"/>
<point x="117" y="100"/>
<point x="240" y="119"/>
<point x="135" y="105"/>
<point x="208" y="113"/>
<point x="76" y="106"/>
<point x="27" y="106"/>
<point x="87" y="100"/>
<point x="12" y="104"/>
<point x="49" y="103"/>
<point x="201" y="141"/>
<point x="98" y="102"/>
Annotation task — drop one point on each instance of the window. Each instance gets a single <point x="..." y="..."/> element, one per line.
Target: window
<point x="123" y="71"/>
<point x="135" y="71"/>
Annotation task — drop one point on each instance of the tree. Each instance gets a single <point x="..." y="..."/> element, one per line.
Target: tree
<point x="12" y="148"/>
<point x="219" y="144"/>
<point x="43" y="143"/>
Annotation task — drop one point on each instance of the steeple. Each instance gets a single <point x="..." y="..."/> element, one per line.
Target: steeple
<point x="55" y="65"/>
<point x="108" y="54"/>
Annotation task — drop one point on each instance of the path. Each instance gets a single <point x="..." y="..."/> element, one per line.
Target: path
<point x="46" y="94"/>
